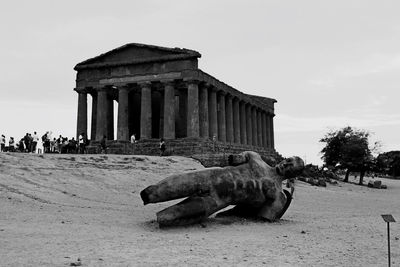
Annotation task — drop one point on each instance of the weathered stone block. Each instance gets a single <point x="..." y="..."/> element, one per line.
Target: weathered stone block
<point x="377" y="184"/>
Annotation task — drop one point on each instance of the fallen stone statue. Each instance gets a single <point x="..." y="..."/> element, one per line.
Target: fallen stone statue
<point x="249" y="183"/>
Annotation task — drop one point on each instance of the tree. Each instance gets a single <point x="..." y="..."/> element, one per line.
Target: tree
<point x="348" y="149"/>
<point x="389" y="163"/>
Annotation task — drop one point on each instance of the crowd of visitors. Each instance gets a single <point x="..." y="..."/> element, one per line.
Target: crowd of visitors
<point x="32" y="143"/>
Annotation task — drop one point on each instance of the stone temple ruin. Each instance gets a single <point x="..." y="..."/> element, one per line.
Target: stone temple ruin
<point x="161" y="93"/>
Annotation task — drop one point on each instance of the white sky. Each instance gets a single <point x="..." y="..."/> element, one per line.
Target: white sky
<point x="328" y="63"/>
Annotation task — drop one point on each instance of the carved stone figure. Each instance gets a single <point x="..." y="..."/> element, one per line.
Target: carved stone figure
<point x="250" y="184"/>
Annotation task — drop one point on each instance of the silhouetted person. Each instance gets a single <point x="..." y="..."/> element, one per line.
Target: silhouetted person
<point x="103" y="145"/>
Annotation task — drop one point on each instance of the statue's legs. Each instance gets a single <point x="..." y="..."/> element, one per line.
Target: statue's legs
<point x="181" y="185"/>
<point x="189" y="211"/>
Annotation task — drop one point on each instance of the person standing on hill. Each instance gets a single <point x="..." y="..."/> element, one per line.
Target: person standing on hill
<point x="162" y="147"/>
<point x="133" y="139"/>
<point x="11" y="144"/>
<point x="27" y="142"/>
<point x="82" y="143"/>
<point x="2" y="143"/>
<point x="103" y="145"/>
<point x="35" y="140"/>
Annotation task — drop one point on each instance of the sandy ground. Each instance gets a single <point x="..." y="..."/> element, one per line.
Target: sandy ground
<point x="55" y="209"/>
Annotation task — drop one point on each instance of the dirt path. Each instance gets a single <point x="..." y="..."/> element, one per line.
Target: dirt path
<point x="55" y="209"/>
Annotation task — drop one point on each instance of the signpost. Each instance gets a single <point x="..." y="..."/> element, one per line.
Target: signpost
<point x="388" y="218"/>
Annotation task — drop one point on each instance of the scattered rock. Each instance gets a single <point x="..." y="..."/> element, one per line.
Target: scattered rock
<point x="321" y="183"/>
<point x="303" y="232"/>
<point x="375" y="184"/>
<point x="383" y="186"/>
<point x="77" y="263"/>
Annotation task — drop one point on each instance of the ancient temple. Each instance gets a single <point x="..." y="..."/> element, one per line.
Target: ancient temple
<point x="161" y="93"/>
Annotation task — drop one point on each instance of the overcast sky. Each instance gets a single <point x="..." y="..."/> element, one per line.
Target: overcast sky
<point x="329" y="64"/>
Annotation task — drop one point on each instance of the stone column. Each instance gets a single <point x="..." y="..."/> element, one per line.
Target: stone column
<point x="123" y="114"/>
<point x="203" y="112"/>
<point x="82" y="114"/>
<point x="236" y="121"/>
<point x="268" y="125"/>
<point x="212" y="115"/>
<point x="249" y="125"/>
<point x="145" y="111"/>
<point x="169" y="110"/>
<point x="229" y="119"/>
<point x="221" y="118"/>
<point x="243" y="135"/>
<point x="102" y="110"/>
<point x="259" y="129"/>
<point x="254" y="124"/>
<point x="272" y="132"/>
<point x="193" y="109"/>
<point x="110" y="118"/>
<point x="264" y="128"/>
<point x="94" y="116"/>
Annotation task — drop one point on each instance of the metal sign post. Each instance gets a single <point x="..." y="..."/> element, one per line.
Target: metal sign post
<point x="388" y="218"/>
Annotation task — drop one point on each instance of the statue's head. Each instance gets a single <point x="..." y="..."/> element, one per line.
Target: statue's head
<point x="290" y="167"/>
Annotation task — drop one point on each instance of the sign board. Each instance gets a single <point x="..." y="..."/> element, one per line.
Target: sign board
<point x="388" y="218"/>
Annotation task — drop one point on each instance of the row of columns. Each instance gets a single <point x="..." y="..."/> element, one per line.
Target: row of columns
<point x="210" y="114"/>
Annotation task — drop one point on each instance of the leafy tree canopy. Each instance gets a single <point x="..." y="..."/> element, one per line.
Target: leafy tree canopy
<point x="389" y="163"/>
<point x="349" y="149"/>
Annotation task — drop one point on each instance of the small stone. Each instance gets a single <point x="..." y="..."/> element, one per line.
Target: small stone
<point x="396" y="238"/>
<point x="62" y="222"/>
<point x="383" y="186"/>
<point x="303" y="232"/>
<point x="377" y="184"/>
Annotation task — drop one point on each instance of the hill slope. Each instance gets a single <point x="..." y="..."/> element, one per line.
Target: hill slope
<point x="55" y="209"/>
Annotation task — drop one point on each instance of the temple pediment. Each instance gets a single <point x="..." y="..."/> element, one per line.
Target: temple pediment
<point x="137" y="53"/>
